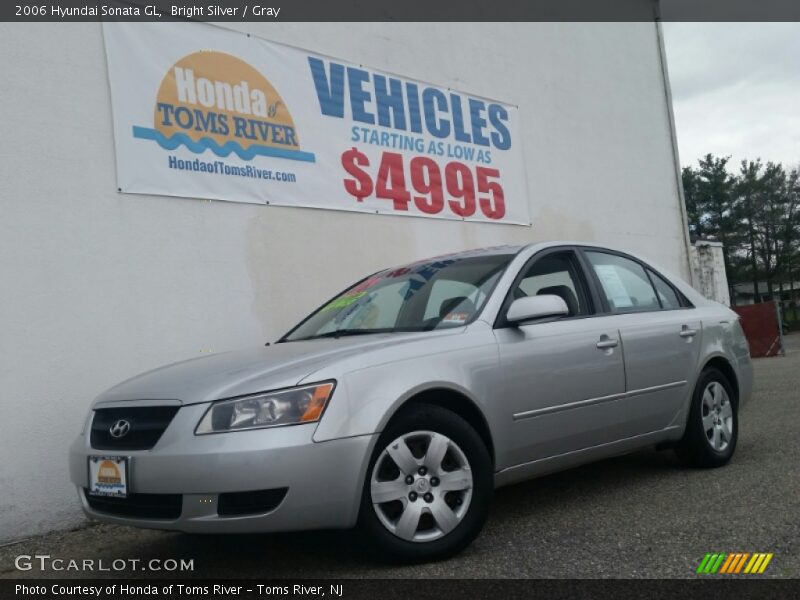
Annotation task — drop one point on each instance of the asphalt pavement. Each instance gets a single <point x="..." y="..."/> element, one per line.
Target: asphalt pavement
<point x="641" y="515"/>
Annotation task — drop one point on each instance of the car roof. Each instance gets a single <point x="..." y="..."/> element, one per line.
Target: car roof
<point x="517" y="248"/>
<point x="504" y="249"/>
<point x="485" y="251"/>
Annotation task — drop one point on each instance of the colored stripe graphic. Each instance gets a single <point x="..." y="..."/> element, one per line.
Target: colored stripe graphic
<point x="727" y="564"/>
<point x="740" y="564"/>
<point x="765" y="563"/>
<point x="718" y="562"/>
<point x="703" y="563"/>
<point x="734" y="563"/>
<point x="711" y="562"/>
<point x="736" y="557"/>
<point x="753" y="562"/>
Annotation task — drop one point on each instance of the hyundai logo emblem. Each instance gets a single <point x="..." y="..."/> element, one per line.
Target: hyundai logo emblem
<point x="120" y="429"/>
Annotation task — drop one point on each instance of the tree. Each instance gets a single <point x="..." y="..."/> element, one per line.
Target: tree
<point x="755" y="214"/>
<point x="775" y="223"/>
<point x="792" y="266"/>
<point x="691" y="195"/>
<point x="748" y="187"/>
<point x="713" y="201"/>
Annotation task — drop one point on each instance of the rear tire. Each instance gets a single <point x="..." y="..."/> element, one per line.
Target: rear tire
<point x="712" y="429"/>
<point x="428" y="487"/>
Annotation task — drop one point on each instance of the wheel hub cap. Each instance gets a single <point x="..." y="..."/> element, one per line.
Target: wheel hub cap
<point x="717" y="415"/>
<point x="440" y="485"/>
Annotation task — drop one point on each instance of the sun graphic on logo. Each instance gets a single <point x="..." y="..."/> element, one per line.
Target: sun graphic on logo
<point x="213" y="101"/>
<point x="108" y="473"/>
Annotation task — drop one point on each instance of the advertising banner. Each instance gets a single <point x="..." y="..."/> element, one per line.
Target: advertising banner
<point x="203" y="112"/>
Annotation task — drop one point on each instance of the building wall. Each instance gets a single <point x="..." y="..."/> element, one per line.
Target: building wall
<point x="97" y="286"/>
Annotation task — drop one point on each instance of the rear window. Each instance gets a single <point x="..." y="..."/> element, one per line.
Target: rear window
<point x="666" y="294"/>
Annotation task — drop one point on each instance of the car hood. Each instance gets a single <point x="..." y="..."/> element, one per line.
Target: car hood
<point x="230" y="374"/>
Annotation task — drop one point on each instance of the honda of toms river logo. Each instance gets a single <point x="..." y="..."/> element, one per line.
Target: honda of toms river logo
<point x="108" y="474"/>
<point x="214" y="101"/>
<point x="734" y="563"/>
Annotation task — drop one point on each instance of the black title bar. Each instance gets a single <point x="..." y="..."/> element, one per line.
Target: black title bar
<point x="400" y="10"/>
<point x="709" y="588"/>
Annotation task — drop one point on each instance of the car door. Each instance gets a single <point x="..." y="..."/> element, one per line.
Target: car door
<point x="562" y="378"/>
<point x="660" y="340"/>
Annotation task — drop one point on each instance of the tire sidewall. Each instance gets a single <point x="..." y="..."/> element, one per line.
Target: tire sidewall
<point x="696" y="443"/>
<point x="439" y="420"/>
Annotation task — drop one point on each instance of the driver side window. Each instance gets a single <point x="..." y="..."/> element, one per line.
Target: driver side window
<point x="556" y="274"/>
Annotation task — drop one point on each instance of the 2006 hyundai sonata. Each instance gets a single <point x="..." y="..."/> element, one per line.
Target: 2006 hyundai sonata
<point x="400" y="404"/>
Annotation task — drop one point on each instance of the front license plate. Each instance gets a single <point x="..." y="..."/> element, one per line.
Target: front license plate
<point x="108" y="476"/>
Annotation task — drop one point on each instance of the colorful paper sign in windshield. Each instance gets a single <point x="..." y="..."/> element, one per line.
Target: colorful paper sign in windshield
<point x="203" y="112"/>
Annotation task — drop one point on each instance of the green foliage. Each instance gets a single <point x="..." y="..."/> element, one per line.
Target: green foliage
<point x="755" y="213"/>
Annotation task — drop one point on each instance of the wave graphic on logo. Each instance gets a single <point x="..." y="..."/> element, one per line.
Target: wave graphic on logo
<point x="206" y="143"/>
<point x="214" y="101"/>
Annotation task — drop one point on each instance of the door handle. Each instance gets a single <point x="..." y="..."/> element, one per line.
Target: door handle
<point x="686" y="332"/>
<point x="606" y="342"/>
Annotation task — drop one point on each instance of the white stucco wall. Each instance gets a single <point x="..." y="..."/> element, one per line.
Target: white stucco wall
<point x="96" y="286"/>
<point x="708" y="271"/>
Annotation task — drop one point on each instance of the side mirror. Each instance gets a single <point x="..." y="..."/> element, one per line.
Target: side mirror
<point x="536" y="307"/>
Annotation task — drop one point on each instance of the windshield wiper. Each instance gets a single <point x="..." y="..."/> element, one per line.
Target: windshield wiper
<point x="342" y="333"/>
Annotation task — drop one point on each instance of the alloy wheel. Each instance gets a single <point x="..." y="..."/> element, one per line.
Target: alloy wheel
<point x="717" y="415"/>
<point x="421" y="486"/>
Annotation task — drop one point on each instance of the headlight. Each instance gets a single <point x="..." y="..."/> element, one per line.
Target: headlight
<point x="303" y="404"/>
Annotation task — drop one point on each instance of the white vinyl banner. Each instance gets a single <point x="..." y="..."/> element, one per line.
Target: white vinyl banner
<point x="204" y="112"/>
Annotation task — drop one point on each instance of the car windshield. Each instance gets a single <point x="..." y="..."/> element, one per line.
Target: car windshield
<point x="434" y="294"/>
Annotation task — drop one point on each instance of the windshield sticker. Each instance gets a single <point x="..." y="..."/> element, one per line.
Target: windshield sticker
<point x="456" y="317"/>
<point x="425" y="268"/>
<point x="352" y="295"/>
<point x="364" y="285"/>
<point x="422" y="274"/>
<point x="343" y="301"/>
<point x="352" y="308"/>
<point x="398" y="272"/>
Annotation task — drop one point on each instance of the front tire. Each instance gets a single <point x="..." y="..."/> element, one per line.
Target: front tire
<point x="713" y="426"/>
<point x="428" y="486"/>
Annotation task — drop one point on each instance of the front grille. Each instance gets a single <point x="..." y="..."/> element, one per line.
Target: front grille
<point x="232" y="504"/>
<point x="143" y="506"/>
<point x="147" y="423"/>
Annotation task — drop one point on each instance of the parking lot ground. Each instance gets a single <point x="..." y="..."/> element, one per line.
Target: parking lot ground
<point x="640" y="515"/>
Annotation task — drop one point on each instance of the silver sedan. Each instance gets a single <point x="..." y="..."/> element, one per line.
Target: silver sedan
<point x="399" y="405"/>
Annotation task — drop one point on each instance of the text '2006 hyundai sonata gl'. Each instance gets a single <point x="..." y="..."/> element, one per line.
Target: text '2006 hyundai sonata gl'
<point x="399" y="405"/>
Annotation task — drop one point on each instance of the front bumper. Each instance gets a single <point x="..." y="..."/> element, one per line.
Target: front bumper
<point x="324" y="479"/>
